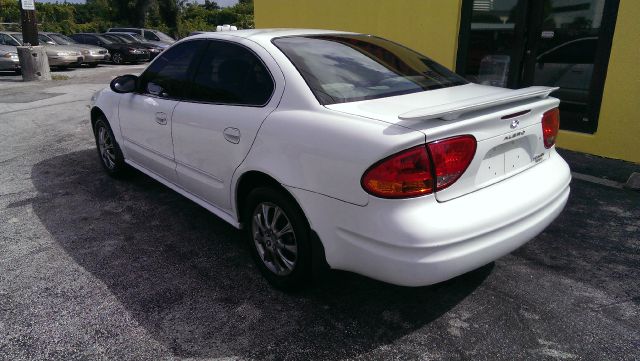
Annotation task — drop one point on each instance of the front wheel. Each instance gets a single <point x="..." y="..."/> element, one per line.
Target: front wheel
<point x="109" y="151"/>
<point x="279" y="238"/>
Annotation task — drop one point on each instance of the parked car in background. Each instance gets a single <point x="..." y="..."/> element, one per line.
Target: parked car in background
<point x="373" y="158"/>
<point x="59" y="56"/>
<point x="120" y="53"/>
<point x="138" y="38"/>
<point x="9" y="58"/>
<point x="93" y="55"/>
<point x="149" y="34"/>
<point x="131" y="39"/>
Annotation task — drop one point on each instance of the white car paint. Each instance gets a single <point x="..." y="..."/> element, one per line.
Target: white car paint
<point x="319" y="154"/>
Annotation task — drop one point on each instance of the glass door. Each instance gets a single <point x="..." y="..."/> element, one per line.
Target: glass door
<point x="562" y="43"/>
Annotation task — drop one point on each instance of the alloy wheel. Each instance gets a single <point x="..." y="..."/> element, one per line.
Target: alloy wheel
<point x="274" y="238"/>
<point x="117" y="58"/>
<point x="107" y="148"/>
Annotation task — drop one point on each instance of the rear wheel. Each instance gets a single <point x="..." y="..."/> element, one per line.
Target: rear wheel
<point x="279" y="238"/>
<point x="109" y="151"/>
<point x="117" y="58"/>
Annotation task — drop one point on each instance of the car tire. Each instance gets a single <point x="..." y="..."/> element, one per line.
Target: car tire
<point x="93" y="65"/>
<point x="109" y="151"/>
<point x="117" y="58"/>
<point x="284" y="259"/>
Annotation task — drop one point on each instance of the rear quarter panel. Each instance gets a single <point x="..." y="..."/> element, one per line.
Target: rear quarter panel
<point x="324" y="151"/>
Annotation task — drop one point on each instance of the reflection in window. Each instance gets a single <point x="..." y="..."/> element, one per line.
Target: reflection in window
<point x="346" y="68"/>
<point x="231" y="74"/>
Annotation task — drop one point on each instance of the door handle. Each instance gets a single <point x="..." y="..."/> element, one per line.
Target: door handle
<point x="161" y="118"/>
<point x="232" y="135"/>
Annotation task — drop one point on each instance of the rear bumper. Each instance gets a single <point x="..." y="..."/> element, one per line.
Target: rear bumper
<point x="419" y="241"/>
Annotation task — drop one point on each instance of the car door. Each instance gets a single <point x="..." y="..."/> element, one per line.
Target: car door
<point x="145" y="115"/>
<point x="235" y="87"/>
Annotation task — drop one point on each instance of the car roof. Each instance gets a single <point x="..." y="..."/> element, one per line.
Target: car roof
<point x="266" y="35"/>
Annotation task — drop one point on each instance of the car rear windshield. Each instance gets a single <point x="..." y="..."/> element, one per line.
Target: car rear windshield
<point x="345" y="68"/>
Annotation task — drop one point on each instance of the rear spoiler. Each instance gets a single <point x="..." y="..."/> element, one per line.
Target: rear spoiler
<point x="454" y="110"/>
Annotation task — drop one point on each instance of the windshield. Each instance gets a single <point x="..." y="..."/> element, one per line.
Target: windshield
<point x="62" y="39"/>
<point x="104" y="39"/>
<point x="18" y="37"/>
<point x="137" y="38"/>
<point x="164" y="37"/>
<point x="11" y="41"/>
<point x="346" y="68"/>
<point x="117" y="39"/>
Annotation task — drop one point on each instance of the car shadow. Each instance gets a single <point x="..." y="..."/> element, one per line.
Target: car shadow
<point x="188" y="278"/>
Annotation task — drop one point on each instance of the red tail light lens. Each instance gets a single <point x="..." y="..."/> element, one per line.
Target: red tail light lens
<point x="550" y="127"/>
<point x="405" y="174"/>
<point x="411" y="173"/>
<point x="451" y="157"/>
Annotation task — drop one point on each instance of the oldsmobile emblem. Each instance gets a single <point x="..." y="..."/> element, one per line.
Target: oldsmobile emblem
<point x="515" y="123"/>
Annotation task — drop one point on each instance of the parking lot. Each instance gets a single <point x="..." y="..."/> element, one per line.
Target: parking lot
<point x="96" y="268"/>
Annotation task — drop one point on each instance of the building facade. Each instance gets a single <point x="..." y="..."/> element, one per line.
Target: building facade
<point x="588" y="48"/>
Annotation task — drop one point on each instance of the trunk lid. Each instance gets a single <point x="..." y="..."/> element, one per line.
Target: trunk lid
<point x="505" y="122"/>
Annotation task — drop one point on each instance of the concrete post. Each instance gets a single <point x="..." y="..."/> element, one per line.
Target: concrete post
<point x="34" y="63"/>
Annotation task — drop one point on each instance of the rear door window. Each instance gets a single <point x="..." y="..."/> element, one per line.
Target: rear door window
<point x="231" y="74"/>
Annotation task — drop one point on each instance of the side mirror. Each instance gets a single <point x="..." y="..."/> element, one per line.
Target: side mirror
<point x="124" y="84"/>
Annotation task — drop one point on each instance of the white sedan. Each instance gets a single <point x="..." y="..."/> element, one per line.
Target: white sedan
<point x="340" y="149"/>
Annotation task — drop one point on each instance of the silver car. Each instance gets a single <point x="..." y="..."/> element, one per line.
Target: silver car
<point x="60" y="56"/>
<point x="92" y="54"/>
<point x="9" y="58"/>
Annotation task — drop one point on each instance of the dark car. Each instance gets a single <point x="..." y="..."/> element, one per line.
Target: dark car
<point x="120" y="53"/>
<point x="134" y="40"/>
<point x="149" y="34"/>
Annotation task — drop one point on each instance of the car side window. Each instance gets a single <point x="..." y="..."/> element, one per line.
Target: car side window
<point x="231" y="74"/>
<point x="168" y="75"/>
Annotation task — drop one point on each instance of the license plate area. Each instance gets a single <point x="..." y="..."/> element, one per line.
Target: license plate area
<point x="498" y="158"/>
<point x="505" y="159"/>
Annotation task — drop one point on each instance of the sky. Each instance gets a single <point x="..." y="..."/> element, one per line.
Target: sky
<point x="222" y="3"/>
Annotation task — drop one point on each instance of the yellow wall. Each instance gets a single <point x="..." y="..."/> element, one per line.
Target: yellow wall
<point x="431" y="27"/>
<point x="428" y="26"/>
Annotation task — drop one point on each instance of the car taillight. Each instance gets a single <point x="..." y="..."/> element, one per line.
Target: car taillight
<point x="405" y="174"/>
<point x="451" y="157"/>
<point x="550" y="127"/>
<point x="411" y="173"/>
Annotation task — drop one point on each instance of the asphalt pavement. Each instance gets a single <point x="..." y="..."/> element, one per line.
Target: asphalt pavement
<point x="96" y="268"/>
